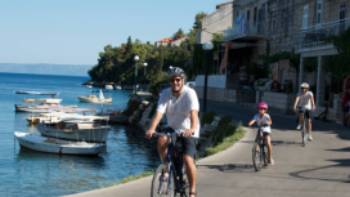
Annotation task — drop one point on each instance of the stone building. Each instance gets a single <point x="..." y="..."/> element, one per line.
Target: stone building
<point x="216" y="22"/>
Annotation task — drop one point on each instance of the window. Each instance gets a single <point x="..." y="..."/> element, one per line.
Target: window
<point x="319" y="10"/>
<point x="342" y="11"/>
<point x="305" y="22"/>
<point x="255" y="15"/>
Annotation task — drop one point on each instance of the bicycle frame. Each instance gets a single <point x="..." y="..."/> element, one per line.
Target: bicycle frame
<point x="175" y="164"/>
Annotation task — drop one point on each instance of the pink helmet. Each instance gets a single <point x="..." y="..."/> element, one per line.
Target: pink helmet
<point x="262" y="105"/>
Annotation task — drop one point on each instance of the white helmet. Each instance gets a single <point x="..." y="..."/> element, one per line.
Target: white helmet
<point x="304" y="85"/>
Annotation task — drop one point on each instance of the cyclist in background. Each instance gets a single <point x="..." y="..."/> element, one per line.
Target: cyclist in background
<point x="303" y="105"/>
<point x="181" y="106"/>
<point x="264" y="121"/>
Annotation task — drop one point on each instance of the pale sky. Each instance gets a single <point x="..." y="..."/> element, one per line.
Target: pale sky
<point x="75" y="31"/>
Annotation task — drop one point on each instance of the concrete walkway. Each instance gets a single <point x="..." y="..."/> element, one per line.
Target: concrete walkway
<point x="322" y="168"/>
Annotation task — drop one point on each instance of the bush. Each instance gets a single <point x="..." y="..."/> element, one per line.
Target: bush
<point x="208" y="118"/>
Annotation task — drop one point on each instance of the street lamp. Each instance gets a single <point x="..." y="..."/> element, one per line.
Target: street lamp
<point x="145" y="64"/>
<point x="136" y="59"/>
<point x="207" y="47"/>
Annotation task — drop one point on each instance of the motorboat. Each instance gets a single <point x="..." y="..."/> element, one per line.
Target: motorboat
<point x="46" y="108"/>
<point x="55" y="117"/>
<point x="95" y="99"/>
<point x="52" y="145"/>
<point x="76" y="130"/>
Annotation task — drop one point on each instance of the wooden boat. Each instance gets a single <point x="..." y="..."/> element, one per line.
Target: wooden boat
<point x="94" y="99"/>
<point x="76" y="130"/>
<point x="52" y="145"/>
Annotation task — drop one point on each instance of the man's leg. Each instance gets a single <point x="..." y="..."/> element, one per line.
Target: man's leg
<point x="162" y="146"/>
<point x="191" y="172"/>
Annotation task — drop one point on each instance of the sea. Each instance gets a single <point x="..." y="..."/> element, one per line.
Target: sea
<point x="28" y="173"/>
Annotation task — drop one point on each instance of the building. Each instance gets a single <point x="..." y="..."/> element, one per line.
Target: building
<point x="216" y="22"/>
<point x="264" y="28"/>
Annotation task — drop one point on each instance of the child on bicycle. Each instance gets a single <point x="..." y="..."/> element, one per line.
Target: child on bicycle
<point x="264" y="121"/>
<point x="303" y="105"/>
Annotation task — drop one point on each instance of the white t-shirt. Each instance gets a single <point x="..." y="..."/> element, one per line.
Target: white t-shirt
<point x="305" y="100"/>
<point x="263" y="120"/>
<point x="177" y="110"/>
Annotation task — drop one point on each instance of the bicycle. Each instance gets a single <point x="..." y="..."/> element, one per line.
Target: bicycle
<point x="259" y="151"/>
<point x="303" y="128"/>
<point x="176" y="181"/>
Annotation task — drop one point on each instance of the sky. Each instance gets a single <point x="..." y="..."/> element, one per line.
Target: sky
<point x="75" y="31"/>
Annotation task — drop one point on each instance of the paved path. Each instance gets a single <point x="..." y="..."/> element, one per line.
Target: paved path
<point x="320" y="169"/>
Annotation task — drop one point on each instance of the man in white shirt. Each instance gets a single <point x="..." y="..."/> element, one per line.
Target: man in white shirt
<point x="181" y="106"/>
<point x="304" y="104"/>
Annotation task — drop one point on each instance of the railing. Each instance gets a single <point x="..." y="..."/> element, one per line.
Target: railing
<point x="318" y="35"/>
<point x="243" y="31"/>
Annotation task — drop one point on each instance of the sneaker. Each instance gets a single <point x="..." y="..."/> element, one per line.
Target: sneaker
<point x="272" y="162"/>
<point x="299" y="127"/>
<point x="310" y="138"/>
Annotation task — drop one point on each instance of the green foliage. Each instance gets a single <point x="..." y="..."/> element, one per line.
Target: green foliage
<point x="236" y="134"/>
<point x="208" y="118"/>
<point x="339" y="65"/>
<point x="224" y="129"/>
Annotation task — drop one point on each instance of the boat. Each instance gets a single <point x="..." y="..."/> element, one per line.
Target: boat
<point x="43" y="100"/>
<point x="45" y="108"/>
<point x="55" y="117"/>
<point x="94" y="99"/>
<point x="76" y="130"/>
<point x="109" y="87"/>
<point x="37" y="92"/>
<point x="51" y="145"/>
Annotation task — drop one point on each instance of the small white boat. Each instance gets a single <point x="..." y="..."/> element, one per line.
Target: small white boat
<point x="51" y="145"/>
<point x="109" y="87"/>
<point x="94" y="99"/>
<point x="76" y="130"/>
<point x="55" y="117"/>
<point x="118" y="87"/>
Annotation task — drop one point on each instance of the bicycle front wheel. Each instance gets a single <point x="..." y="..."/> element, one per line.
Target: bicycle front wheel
<point x="161" y="186"/>
<point x="258" y="160"/>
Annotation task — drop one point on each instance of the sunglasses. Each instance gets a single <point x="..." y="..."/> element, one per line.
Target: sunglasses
<point x="177" y="80"/>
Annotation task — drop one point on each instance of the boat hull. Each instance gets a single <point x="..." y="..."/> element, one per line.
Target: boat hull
<point x="89" y="135"/>
<point x="49" y="145"/>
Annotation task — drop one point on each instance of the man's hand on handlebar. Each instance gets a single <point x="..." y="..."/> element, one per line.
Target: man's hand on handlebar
<point x="188" y="133"/>
<point x="150" y="133"/>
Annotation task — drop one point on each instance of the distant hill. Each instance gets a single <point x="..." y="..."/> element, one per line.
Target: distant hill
<point x="47" y="69"/>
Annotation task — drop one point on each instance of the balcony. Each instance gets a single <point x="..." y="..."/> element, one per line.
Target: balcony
<point x="244" y="32"/>
<point x="317" y="36"/>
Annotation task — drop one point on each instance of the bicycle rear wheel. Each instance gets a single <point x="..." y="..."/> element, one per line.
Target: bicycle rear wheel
<point x="160" y="188"/>
<point x="257" y="156"/>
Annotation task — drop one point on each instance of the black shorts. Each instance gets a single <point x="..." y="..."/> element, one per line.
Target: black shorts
<point x="188" y="145"/>
<point x="306" y="111"/>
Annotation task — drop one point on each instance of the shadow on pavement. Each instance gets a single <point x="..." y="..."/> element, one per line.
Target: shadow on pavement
<point x="285" y="143"/>
<point x="230" y="167"/>
<point x="340" y="149"/>
<point x="333" y="173"/>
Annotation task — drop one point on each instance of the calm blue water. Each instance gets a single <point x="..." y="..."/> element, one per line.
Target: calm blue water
<point x="27" y="173"/>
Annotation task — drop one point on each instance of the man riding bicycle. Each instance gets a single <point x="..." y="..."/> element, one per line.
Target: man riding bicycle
<point x="303" y="105"/>
<point x="181" y="106"/>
